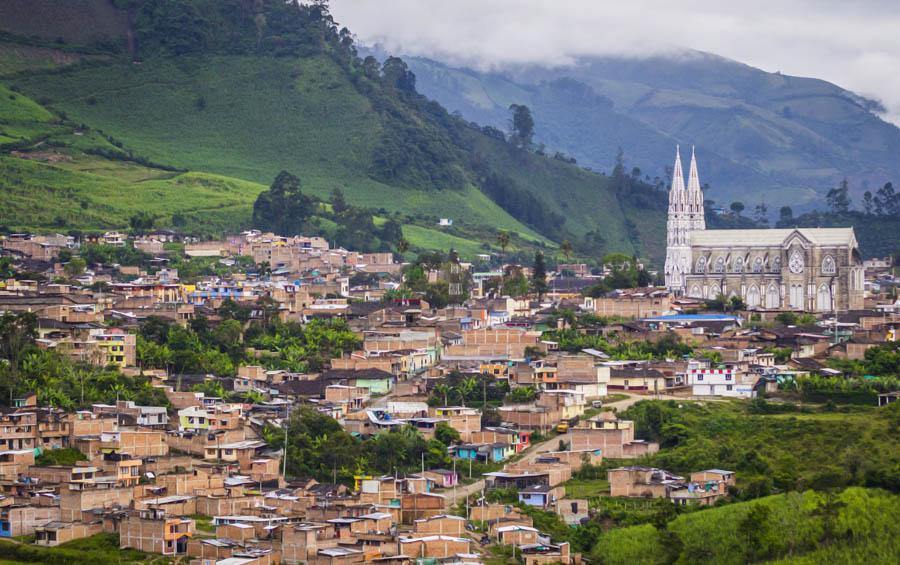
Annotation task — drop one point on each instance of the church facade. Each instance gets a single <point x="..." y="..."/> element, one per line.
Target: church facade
<point x="808" y="269"/>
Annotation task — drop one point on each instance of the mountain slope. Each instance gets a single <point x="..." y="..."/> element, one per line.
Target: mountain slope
<point x="290" y="95"/>
<point x="760" y="136"/>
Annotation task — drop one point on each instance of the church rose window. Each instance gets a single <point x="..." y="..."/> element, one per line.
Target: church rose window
<point x="720" y="265"/>
<point x="828" y="265"/>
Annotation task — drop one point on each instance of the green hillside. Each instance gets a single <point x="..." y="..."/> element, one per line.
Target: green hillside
<point x="855" y="526"/>
<point x="760" y="137"/>
<point x="235" y="103"/>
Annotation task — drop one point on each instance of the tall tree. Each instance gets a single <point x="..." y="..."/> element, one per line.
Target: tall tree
<point x="838" y="198"/>
<point x="17" y="331"/>
<point x="785" y="216"/>
<point x="522" y="125"/>
<point x="887" y="201"/>
<point x="539" y="274"/>
<point x="761" y="214"/>
<point x="503" y="240"/>
<point x="868" y="203"/>
<point x="566" y="248"/>
<point x="338" y="202"/>
<point x="283" y="208"/>
<point x="396" y="74"/>
<point x="737" y="208"/>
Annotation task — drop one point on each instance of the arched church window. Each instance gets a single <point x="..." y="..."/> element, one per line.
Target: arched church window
<point x="695" y="292"/>
<point x="823" y="298"/>
<point x="758" y="265"/>
<point x="772" y="298"/>
<point x="796" y="296"/>
<point x="776" y="265"/>
<point x="753" y="297"/>
<point x="738" y="266"/>
<point x="701" y="264"/>
<point x="828" y="265"/>
<point x="720" y="265"/>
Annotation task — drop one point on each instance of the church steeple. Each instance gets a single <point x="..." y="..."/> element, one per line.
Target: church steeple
<point x="677" y="174"/>
<point x="685" y="217"/>
<point x="694" y="209"/>
<point x="693" y="177"/>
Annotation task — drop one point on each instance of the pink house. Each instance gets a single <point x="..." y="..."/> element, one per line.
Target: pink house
<point x="443" y="478"/>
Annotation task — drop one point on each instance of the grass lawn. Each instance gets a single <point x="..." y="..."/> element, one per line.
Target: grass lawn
<point x="586" y="488"/>
<point x="203" y="523"/>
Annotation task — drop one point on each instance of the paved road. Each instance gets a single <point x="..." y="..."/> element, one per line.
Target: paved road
<point x="531" y="454"/>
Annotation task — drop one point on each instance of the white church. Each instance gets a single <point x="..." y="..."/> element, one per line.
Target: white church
<point x="807" y="269"/>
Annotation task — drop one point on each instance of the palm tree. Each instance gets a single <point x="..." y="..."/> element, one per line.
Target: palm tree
<point x="402" y="246"/>
<point x="503" y="240"/>
<point x="566" y="248"/>
<point x="466" y="387"/>
<point x="442" y="390"/>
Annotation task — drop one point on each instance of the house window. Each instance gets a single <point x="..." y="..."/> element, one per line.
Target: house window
<point x="728" y="387"/>
<point x="699" y="377"/>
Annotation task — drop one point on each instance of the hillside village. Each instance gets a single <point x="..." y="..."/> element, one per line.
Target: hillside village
<point x="449" y="432"/>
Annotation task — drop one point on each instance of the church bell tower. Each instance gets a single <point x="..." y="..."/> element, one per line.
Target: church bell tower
<point x="685" y="216"/>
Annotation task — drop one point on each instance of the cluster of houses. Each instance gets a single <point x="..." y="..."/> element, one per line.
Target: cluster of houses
<point x="197" y="479"/>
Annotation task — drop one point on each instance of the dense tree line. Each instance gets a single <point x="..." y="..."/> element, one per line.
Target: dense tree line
<point x="319" y="447"/>
<point x="284" y="210"/>
<point x="220" y="349"/>
<point x="522" y="204"/>
<point x="55" y="379"/>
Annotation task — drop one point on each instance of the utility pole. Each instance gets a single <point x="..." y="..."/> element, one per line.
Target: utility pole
<point x="455" y="480"/>
<point x="287" y="419"/>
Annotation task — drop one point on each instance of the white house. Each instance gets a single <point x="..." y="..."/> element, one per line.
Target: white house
<point x="718" y="382"/>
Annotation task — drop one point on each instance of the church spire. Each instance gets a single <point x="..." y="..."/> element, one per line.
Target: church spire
<point x="694" y="176"/>
<point x="678" y="173"/>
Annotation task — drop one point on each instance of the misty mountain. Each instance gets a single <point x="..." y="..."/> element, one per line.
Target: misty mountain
<point x="760" y="137"/>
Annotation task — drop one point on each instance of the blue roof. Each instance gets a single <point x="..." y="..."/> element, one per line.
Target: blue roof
<point x="692" y="318"/>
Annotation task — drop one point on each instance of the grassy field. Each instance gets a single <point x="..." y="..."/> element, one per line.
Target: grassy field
<point x="586" y="488"/>
<point x="95" y="193"/>
<point x="856" y="526"/>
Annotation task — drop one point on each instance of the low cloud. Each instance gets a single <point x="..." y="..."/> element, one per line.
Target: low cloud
<point x="852" y="44"/>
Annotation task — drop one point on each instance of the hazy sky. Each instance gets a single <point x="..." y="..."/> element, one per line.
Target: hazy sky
<point x="855" y="44"/>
